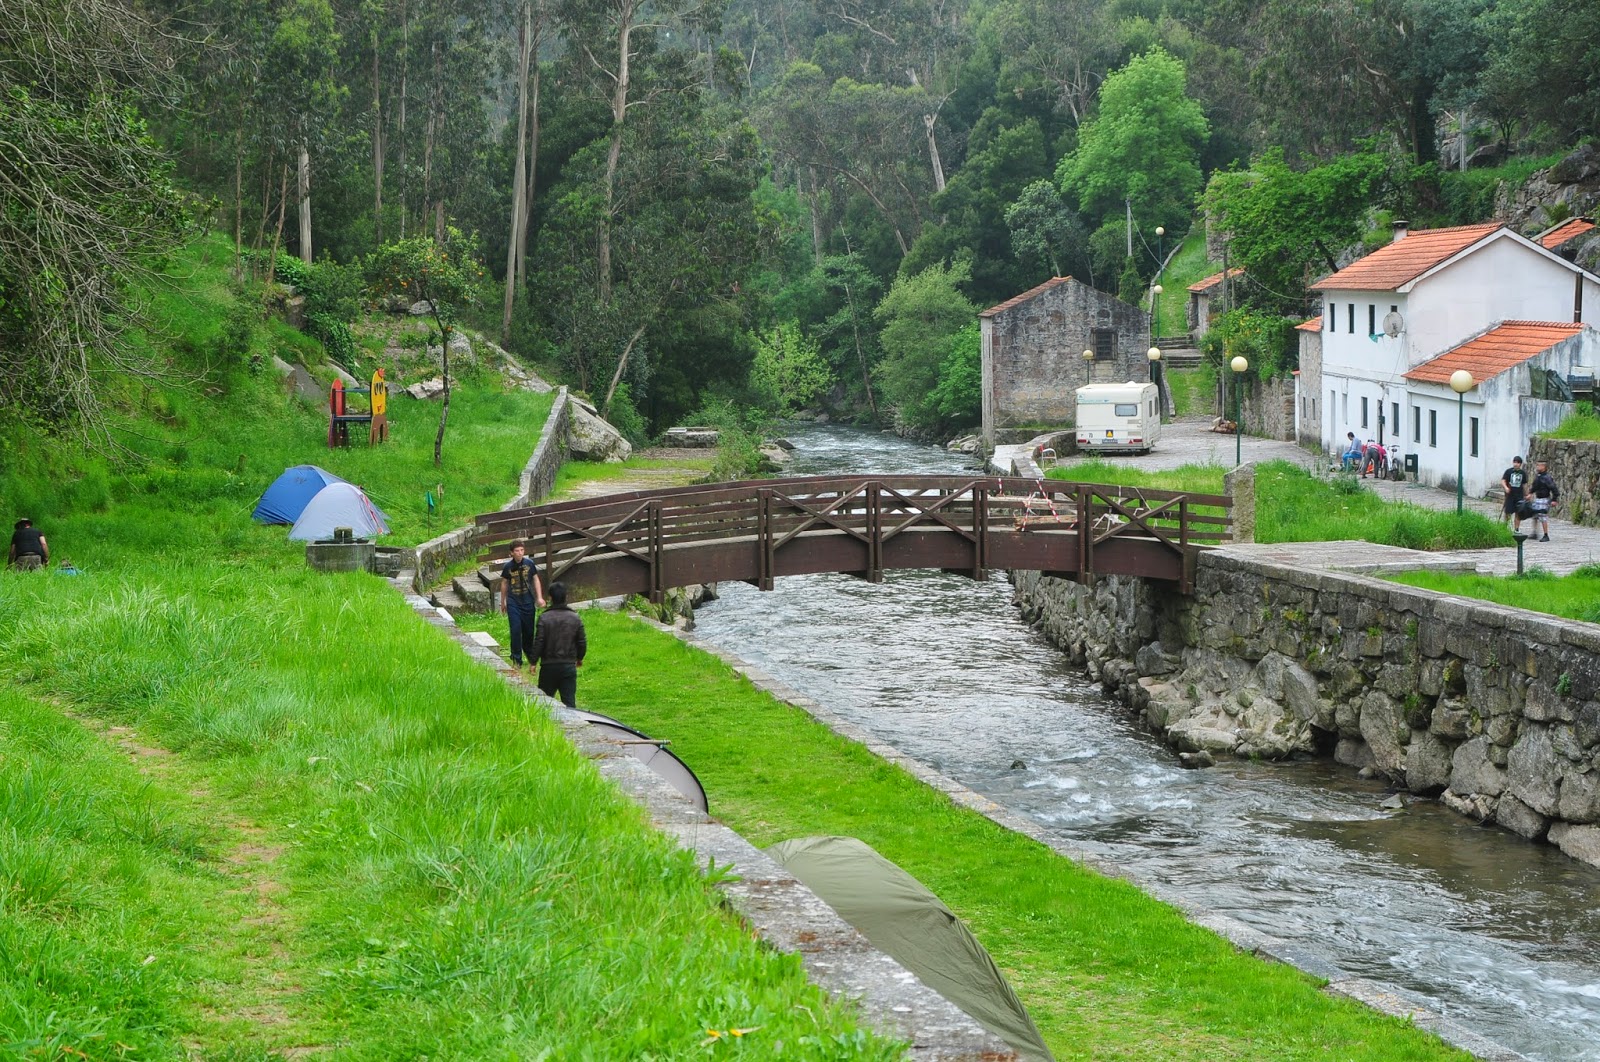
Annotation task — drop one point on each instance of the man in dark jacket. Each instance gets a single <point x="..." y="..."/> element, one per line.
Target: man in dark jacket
<point x="1545" y="493"/>
<point x="559" y="648"/>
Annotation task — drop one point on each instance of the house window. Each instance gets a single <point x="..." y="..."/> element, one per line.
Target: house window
<point x="1473" y="448"/>
<point x="1105" y="344"/>
<point x="1350" y="318"/>
<point x="1433" y="427"/>
<point x="1345" y="405"/>
<point x="1363" y="411"/>
<point x="1333" y="403"/>
<point x="1394" y="425"/>
<point x="1372" y="319"/>
<point x="1333" y="317"/>
<point x="1416" y="424"/>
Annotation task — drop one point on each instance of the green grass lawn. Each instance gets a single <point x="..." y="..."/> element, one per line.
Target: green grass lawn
<point x="1292" y="505"/>
<point x="1194" y="391"/>
<point x="1188" y="266"/>
<point x="1575" y="596"/>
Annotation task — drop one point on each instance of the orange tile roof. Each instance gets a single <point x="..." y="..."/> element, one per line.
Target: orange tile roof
<point x="1570" y="229"/>
<point x="1018" y="300"/>
<point x="1503" y="347"/>
<point x="1406" y="259"/>
<point x="1212" y="281"/>
<point x="1313" y="325"/>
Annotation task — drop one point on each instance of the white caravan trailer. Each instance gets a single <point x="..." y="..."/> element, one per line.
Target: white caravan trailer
<point x="1119" y="418"/>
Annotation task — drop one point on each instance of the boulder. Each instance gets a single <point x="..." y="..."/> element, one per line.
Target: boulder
<point x="427" y="389"/>
<point x="420" y="308"/>
<point x="1519" y="818"/>
<point x="1533" y="770"/>
<point x="1579" y="842"/>
<point x="1472" y="773"/>
<point x="1477" y="808"/>
<point x="1192" y="735"/>
<point x="967" y="444"/>
<point x="1580" y="797"/>
<point x="1384" y="727"/>
<point x="1428" y="763"/>
<point x="774" y="455"/>
<point x="591" y="439"/>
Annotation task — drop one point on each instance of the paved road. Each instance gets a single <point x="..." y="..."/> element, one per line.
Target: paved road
<point x="1191" y="441"/>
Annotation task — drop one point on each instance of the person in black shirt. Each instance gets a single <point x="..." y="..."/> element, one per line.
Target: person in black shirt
<point x="1514" y="481"/>
<point x="1545" y="494"/>
<point x="520" y="596"/>
<point x="29" y="550"/>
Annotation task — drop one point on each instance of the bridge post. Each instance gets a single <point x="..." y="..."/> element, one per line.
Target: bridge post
<point x="980" y="531"/>
<point x="874" y="532"/>
<point x="657" y="590"/>
<point x="1085" y="537"/>
<point x="764" y="539"/>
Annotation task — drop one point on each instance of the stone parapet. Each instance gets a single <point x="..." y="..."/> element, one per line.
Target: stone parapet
<point x="1575" y="464"/>
<point x="1494" y="710"/>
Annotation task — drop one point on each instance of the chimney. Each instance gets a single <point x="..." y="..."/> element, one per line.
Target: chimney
<point x="1399" y="228"/>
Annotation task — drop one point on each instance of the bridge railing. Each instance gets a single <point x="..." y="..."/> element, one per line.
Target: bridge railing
<point x="755" y="530"/>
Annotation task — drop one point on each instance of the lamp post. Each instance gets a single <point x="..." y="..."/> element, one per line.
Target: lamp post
<point x="1088" y="366"/>
<point x="1155" y="310"/>
<point x="1461" y="382"/>
<point x="1154" y="354"/>
<point x="1161" y="248"/>
<point x="1239" y="364"/>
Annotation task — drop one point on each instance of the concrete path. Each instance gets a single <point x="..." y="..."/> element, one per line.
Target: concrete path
<point x="1190" y="441"/>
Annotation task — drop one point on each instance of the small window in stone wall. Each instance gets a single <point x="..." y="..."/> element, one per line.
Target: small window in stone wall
<point x="1105" y="344"/>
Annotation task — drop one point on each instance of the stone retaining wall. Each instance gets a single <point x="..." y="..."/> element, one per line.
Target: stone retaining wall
<point x="1575" y="463"/>
<point x="537" y="480"/>
<point x="1494" y="710"/>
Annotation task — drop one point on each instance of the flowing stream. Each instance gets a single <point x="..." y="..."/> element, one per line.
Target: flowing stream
<point x="1497" y="933"/>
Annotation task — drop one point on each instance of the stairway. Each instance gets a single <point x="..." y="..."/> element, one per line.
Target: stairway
<point x="1179" y="352"/>
<point x="474" y="592"/>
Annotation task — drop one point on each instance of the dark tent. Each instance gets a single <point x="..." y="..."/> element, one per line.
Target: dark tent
<point x="654" y="755"/>
<point x="290" y="493"/>
<point x="901" y="918"/>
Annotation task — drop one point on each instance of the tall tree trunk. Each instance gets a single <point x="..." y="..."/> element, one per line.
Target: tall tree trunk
<point x="815" y="198"/>
<point x="622" y="363"/>
<point x="438" y="220"/>
<point x="303" y="186"/>
<point x="861" y="353"/>
<point x="519" y="182"/>
<point x="429" y="135"/>
<point x="405" y="69"/>
<point x="277" y="235"/>
<point x="444" y="410"/>
<point x="377" y="146"/>
<point x="619" y="111"/>
<point x="928" y="120"/>
<point x="238" y="204"/>
<point x="533" y="166"/>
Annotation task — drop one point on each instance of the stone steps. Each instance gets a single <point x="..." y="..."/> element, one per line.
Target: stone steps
<point x="471" y="590"/>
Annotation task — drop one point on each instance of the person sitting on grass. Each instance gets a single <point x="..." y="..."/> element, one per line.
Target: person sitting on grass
<point x="29" y="550"/>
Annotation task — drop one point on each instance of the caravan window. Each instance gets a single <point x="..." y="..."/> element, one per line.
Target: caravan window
<point x="1126" y="409"/>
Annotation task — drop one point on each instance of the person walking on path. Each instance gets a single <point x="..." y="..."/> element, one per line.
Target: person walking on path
<point x="1514" y="482"/>
<point x="521" y="595"/>
<point x="29" y="550"/>
<point x="1545" y="493"/>
<point x="559" y="648"/>
<point x="379" y="431"/>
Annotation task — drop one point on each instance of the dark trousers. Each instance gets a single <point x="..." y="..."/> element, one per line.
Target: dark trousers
<point x="523" y="620"/>
<point x="559" y="679"/>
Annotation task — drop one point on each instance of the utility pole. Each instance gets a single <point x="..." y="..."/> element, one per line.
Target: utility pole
<point x="1128" y="204"/>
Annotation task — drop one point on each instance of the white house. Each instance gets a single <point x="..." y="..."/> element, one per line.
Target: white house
<point x="1476" y="295"/>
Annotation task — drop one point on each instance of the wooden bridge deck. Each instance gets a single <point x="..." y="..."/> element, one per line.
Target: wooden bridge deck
<point x="646" y="542"/>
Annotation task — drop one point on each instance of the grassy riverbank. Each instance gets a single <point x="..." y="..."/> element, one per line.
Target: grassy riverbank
<point x="1575" y="596"/>
<point x="1106" y="971"/>
<point x="251" y="812"/>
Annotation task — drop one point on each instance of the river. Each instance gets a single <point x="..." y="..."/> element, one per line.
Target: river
<point x="1497" y="933"/>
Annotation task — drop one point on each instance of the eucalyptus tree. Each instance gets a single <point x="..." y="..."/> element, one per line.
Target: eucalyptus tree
<point x="298" y="81"/>
<point x="1062" y="47"/>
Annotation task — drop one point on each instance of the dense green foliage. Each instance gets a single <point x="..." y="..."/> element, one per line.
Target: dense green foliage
<point x="655" y="184"/>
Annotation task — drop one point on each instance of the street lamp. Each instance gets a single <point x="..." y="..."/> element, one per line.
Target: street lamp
<point x="1088" y="366"/>
<point x="1461" y="382"/>
<point x="1161" y="248"/>
<point x="1154" y="354"/>
<point x="1239" y="364"/>
<point x="1155" y="309"/>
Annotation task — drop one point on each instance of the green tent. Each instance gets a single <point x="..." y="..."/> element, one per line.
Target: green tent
<point x="904" y="920"/>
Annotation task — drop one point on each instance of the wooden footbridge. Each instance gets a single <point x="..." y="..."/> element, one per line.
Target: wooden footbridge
<point x="646" y="542"/>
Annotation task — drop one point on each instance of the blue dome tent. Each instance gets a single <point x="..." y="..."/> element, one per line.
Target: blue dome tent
<point x="290" y="493"/>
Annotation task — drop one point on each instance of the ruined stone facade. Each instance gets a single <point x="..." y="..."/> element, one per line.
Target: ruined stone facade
<point x="1033" y="361"/>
